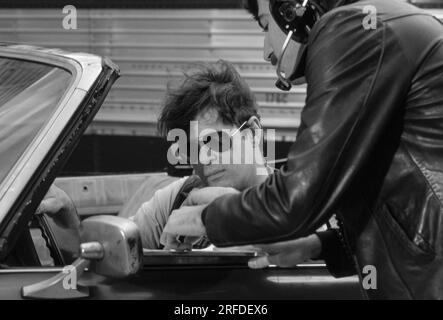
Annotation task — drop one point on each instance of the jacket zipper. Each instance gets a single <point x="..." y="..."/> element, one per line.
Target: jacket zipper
<point x="346" y="246"/>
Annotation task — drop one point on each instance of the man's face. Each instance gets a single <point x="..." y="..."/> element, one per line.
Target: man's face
<point x="274" y="39"/>
<point x="216" y="172"/>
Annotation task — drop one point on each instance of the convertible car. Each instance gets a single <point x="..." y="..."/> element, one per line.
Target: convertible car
<point x="47" y="99"/>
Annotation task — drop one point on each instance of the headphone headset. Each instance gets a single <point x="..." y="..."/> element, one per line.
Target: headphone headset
<point x="296" y="19"/>
<point x="298" y="16"/>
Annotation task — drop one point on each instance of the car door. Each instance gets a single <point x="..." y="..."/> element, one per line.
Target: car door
<point x="193" y="275"/>
<point x="200" y="274"/>
<point x="215" y="275"/>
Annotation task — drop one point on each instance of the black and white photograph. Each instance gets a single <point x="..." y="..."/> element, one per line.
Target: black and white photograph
<point x="221" y="155"/>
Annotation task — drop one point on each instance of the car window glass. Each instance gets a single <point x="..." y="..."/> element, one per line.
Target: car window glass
<point x="29" y="94"/>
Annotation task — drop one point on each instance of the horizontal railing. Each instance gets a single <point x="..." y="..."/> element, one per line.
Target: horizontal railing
<point x="153" y="48"/>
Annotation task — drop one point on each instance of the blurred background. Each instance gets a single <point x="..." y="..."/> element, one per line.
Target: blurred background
<point x="153" y="42"/>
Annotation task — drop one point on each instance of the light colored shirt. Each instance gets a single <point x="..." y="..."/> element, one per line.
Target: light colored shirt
<point x="152" y="215"/>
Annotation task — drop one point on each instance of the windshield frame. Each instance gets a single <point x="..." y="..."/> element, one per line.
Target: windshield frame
<point x="15" y="181"/>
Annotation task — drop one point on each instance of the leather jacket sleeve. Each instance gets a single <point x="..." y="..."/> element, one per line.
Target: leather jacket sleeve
<point x="338" y="261"/>
<point x="351" y="95"/>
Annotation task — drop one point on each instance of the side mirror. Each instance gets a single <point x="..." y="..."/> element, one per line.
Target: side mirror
<point x="110" y="246"/>
<point x="113" y="245"/>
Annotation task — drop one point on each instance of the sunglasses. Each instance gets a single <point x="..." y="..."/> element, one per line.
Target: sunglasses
<point x="217" y="141"/>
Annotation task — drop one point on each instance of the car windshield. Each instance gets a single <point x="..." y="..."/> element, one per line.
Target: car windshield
<point x="29" y="94"/>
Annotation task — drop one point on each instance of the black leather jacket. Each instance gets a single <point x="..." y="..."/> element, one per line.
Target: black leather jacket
<point x="370" y="148"/>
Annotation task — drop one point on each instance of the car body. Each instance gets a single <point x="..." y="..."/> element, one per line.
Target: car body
<point x="59" y="94"/>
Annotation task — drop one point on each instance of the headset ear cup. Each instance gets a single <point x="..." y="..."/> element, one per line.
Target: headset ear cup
<point x="294" y="15"/>
<point x="288" y="11"/>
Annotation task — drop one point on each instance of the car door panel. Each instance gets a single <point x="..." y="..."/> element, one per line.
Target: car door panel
<point x="206" y="283"/>
<point x="309" y="281"/>
<point x="239" y="283"/>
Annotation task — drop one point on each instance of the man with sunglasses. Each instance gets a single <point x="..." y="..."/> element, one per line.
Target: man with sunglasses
<point x="213" y="107"/>
<point x="369" y="148"/>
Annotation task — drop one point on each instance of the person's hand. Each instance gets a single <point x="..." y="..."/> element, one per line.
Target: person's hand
<point x="187" y="222"/>
<point x="56" y="201"/>
<point x="206" y="195"/>
<point x="60" y="207"/>
<point x="288" y="253"/>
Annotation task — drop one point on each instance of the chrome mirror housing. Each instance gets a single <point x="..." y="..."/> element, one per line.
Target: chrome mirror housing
<point x="113" y="245"/>
<point x="110" y="246"/>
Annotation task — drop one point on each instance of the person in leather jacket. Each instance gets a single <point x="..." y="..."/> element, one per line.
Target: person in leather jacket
<point x="369" y="148"/>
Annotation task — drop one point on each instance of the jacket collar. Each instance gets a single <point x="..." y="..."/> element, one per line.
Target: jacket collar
<point x="323" y="6"/>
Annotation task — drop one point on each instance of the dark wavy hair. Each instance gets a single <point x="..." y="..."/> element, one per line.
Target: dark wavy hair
<point x="218" y="86"/>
